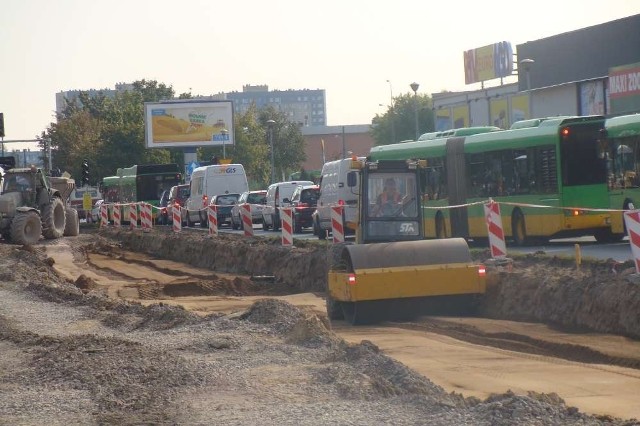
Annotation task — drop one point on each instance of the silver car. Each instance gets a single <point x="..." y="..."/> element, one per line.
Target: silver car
<point x="257" y="199"/>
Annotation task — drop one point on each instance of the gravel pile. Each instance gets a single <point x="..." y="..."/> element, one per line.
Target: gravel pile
<point x="75" y="358"/>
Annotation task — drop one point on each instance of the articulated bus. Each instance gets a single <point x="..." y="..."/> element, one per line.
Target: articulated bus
<point x="557" y="162"/>
<point x="144" y="182"/>
<point x="623" y="167"/>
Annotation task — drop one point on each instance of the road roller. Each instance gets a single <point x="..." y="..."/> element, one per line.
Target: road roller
<point x="391" y="272"/>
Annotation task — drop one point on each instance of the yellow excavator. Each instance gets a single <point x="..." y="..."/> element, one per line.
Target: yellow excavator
<point x="392" y="272"/>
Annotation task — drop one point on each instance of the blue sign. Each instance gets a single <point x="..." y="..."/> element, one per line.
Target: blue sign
<point x="221" y="137"/>
<point x="189" y="169"/>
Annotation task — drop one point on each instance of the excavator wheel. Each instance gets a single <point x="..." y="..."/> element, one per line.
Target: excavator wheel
<point x="53" y="219"/>
<point x="26" y="228"/>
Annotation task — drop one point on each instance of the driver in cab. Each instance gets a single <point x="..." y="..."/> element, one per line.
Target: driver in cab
<point x="387" y="201"/>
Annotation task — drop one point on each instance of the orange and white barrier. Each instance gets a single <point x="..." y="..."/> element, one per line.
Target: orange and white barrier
<point x="104" y="215"/>
<point x="632" y="221"/>
<point x="286" y="217"/>
<point x="337" y="227"/>
<point x="146" y="218"/>
<point x="177" y="219"/>
<point x="212" y="213"/>
<point x="133" y="216"/>
<point x="116" y="215"/>
<point x="247" y="220"/>
<point x="497" y="243"/>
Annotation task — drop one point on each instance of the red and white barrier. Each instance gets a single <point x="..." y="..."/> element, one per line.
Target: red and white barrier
<point x="146" y="218"/>
<point x="116" y="215"/>
<point x="247" y="220"/>
<point x="497" y="244"/>
<point x="213" y="220"/>
<point x="337" y="227"/>
<point x="177" y="219"/>
<point x="104" y="215"/>
<point x="632" y="221"/>
<point x="286" y="217"/>
<point x="133" y="216"/>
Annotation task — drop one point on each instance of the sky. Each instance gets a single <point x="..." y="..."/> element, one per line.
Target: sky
<point x="361" y="52"/>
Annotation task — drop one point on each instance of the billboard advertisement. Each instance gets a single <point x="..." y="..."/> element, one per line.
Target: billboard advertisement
<point x="488" y="62"/>
<point x="624" y="88"/>
<point x="519" y="108"/>
<point x="592" y="98"/>
<point x="461" y="116"/>
<point x="443" y="119"/>
<point x="499" y="117"/>
<point x="188" y="123"/>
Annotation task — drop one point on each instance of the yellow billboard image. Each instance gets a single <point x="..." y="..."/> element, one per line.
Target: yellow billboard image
<point x="188" y="123"/>
<point x="498" y="111"/>
<point x="519" y="108"/>
<point x="460" y="116"/>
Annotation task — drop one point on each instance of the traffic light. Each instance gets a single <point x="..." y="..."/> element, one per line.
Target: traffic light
<point x="1" y="125"/>
<point x="85" y="172"/>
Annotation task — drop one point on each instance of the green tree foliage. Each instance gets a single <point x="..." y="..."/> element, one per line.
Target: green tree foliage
<point x="107" y="131"/>
<point x="398" y="122"/>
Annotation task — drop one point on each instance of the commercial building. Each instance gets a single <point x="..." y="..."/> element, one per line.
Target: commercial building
<point x="594" y="70"/>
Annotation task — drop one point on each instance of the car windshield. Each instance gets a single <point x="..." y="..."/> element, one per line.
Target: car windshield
<point x="257" y="198"/>
<point x="310" y="196"/>
<point x="226" y="200"/>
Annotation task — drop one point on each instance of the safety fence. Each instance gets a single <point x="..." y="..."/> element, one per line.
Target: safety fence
<point x="493" y="220"/>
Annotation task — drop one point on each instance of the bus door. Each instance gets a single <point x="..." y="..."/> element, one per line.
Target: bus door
<point x="456" y="186"/>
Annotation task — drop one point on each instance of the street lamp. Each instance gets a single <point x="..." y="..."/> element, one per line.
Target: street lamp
<point x="526" y="64"/>
<point x="414" y="87"/>
<point x="270" y="123"/>
<point x="391" y="113"/>
<point x="225" y="135"/>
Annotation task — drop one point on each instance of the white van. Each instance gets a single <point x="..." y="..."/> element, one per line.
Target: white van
<point x="278" y="194"/>
<point x="335" y="192"/>
<point x="208" y="181"/>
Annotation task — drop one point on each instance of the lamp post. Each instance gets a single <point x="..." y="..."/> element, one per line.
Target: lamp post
<point x="392" y="113"/>
<point x="270" y="123"/>
<point x="224" y="133"/>
<point x="526" y="64"/>
<point x="414" y="87"/>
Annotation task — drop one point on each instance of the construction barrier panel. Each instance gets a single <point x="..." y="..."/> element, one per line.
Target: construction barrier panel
<point x="177" y="219"/>
<point x="104" y="215"/>
<point x="247" y="220"/>
<point x="337" y="227"/>
<point x="632" y="221"/>
<point x="133" y="217"/>
<point x="497" y="243"/>
<point x="286" y="215"/>
<point x="146" y="218"/>
<point x="116" y="216"/>
<point x="213" y="220"/>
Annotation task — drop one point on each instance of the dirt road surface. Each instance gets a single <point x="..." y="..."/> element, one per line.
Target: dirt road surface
<point x="292" y="369"/>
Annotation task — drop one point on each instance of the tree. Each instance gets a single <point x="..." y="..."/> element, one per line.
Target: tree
<point x="403" y="116"/>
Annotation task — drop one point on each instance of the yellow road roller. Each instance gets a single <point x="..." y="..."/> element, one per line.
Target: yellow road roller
<point x="392" y="272"/>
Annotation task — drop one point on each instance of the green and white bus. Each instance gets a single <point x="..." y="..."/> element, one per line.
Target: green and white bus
<point x="623" y="167"/>
<point x="140" y="183"/>
<point x="545" y="172"/>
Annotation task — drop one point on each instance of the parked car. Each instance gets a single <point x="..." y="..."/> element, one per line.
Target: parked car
<point x="162" y="216"/>
<point x="224" y="202"/>
<point x="257" y="200"/>
<point x="304" y="201"/>
<point x="178" y="195"/>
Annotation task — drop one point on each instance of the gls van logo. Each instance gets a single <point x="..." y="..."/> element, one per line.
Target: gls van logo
<point x="228" y="170"/>
<point x="407" y="228"/>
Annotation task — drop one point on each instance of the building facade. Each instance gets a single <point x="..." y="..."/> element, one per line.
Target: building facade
<point x="328" y="143"/>
<point x="591" y="71"/>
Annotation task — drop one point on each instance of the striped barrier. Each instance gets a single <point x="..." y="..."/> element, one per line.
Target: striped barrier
<point x="337" y="227"/>
<point x="104" y="215"/>
<point x="133" y="217"/>
<point x="286" y="215"/>
<point x="177" y="219"/>
<point x="213" y="220"/>
<point x="247" y="220"/>
<point x="632" y="221"/>
<point x="116" y="215"/>
<point x="497" y="243"/>
<point x="146" y="218"/>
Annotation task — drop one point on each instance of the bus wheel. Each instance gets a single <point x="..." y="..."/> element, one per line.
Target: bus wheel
<point x="440" y="231"/>
<point x="518" y="228"/>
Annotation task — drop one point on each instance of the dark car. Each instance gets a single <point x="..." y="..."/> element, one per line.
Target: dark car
<point x="304" y="201"/>
<point x="177" y="196"/>
<point x="225" y="203"/>
<point x="162" y="218"/>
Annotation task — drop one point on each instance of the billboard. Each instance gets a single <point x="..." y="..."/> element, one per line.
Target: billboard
<point x="188" y="123"/>
<point x="624" y="88"/>
<point x="488" y="62"/>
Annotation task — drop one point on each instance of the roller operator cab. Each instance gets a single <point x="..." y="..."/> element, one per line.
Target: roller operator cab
<point x="392" y="273"/>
